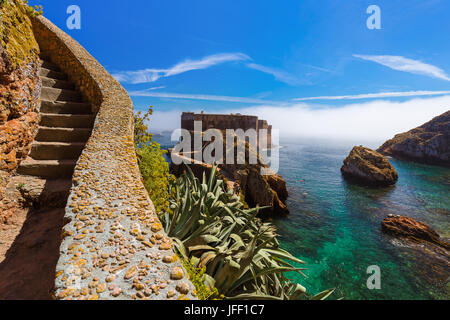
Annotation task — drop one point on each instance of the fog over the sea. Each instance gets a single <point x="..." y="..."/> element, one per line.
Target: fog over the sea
<point x="375" y="120"/>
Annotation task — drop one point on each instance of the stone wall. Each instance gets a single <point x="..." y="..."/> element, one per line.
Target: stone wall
<point x="19" y="84"/>
<point x="226" y="121"/>
<point x="113" y="244"/>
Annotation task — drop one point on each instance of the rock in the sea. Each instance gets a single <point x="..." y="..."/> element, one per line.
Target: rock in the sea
<point x="429" y="143"/>
<point x="259" y="191"/>
<point x="410" y="229"/>
<point x="366" y="166"/>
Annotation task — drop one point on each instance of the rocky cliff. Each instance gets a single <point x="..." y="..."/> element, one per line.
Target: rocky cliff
<point x="429" y="143"/>
<point x="19" y="84"/>
<point x="19" y="100"/>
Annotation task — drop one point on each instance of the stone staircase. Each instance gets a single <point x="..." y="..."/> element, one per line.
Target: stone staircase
<point x="45" y="179"/>
<point x="66" y="125"/>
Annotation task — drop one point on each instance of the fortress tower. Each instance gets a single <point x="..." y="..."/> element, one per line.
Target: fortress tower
<point x="226" y="121"/>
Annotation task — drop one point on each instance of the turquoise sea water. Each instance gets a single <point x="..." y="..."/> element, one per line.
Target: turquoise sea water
<point x="335" y="226"/>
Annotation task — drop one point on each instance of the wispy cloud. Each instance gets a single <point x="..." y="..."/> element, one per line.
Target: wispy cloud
<point x="377" y="95"/>
<point x="317" y="68"/>
<point x="147" y="93"/>
<point x="156" y="88"/>
<point x="151" y="75"/>
<point x="279" y="75"/>
<point x="151" y="93"/>
<point x="407" y="65"/>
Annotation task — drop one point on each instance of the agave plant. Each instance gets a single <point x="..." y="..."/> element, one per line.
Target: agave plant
<point x="241" y="253"/>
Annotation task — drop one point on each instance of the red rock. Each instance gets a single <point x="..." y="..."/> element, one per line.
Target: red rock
<point x="410" y="229"/>
<point x="19" y="88"/>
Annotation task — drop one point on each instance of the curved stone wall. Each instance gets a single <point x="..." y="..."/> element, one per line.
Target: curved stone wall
<point x="113" y="244"/>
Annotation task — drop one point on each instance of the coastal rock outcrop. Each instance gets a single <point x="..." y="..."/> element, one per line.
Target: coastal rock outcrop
<point x="412" y="230"/>
<point x="263" y="190"/>
<point x="429" y="143"/>
<point x="19" y="84"/>
<point x="366" y="166"/>
<point x="259" y="191"/>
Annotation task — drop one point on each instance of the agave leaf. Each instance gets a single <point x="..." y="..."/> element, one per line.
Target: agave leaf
<point x="212" y="176"/>
<point x="195" y="261"/>
<point x="283" y="254"/>
<point x="201" y="248"/>
<point x="298" y="291"/>
<point x="209" y="281"/>
<point x="206" y="258"/>
<point x="253" y="296"/>
<point x="323" y="295"/>
<point x="180" y="248"/>
<point x="261" y="273"/>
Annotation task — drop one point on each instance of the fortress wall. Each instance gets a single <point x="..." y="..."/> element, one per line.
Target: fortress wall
<point x="219" y="121"/>
<point x="226" y="121"/>
<point x="112" y="233"/>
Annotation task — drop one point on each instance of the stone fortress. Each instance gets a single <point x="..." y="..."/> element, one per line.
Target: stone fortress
<point x="226" y="121"/>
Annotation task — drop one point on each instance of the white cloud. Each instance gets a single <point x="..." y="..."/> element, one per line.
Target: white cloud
<point x="407" y="65"/>
<point x="369" y="121"/>
<point x="279" y="75"/>
<point x="156" y="88"/>
<point x="376" y="95"/>
<point x="376" y="120"/>
<point x="146" y="93"/>
<point x="151" y="75"/>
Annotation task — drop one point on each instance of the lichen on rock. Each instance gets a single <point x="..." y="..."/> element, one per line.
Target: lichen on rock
<point x="19" y="84"/>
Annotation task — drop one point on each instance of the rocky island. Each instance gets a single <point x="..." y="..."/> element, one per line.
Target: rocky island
<point x="368" y="167"/>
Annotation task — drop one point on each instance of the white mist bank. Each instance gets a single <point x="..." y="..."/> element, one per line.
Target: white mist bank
<point x="377" y="120"/>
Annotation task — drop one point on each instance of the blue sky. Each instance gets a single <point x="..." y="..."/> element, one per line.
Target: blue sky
<point x="261" y="54"/>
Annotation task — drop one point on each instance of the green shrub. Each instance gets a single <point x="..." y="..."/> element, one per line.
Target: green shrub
<point x="37" y="10"/>
<point x="154" y="168"/>
<point x="199" y="279"/>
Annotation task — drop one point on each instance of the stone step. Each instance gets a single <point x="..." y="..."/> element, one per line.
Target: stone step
<point x="44" y="72"/>
<point x="56" y="150"/>
<point x="40" y="193"/>
<point x="55" y="83"/>
<point x="67" y="120"/>
<point x="47" y="134"/>
<point x="55" y="94"/>
<point x="48" y="65"/>
<point x="47" y="169"/>
<point x="61" y="107"/>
